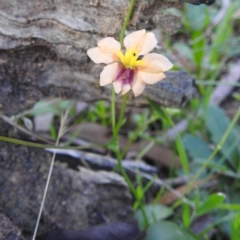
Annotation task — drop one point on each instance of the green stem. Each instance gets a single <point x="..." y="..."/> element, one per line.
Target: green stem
<point x="39" y="145"/>
<point x="126" y="21"/>
<point x="123" y="172"/>
<point x="124" y="103"/>
<point x="146" y="222"/>
<point x="116" y="128"/>
<point x="113" y="113"/>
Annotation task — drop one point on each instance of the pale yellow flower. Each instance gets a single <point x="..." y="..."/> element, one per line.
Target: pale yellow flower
<point x="133" y="69"/>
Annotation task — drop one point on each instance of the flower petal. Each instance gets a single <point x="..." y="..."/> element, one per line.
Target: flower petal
<point x="98" y="56"/>
<point x="155" y="63"/>
<point x="107" y="51"/>
<point x="111" y="47"/>
<point x="117" y="86"/>
<point x="109" y="44"/>
<point x="133" y="39"/>
<point x="125" y="88"/>
<point x="109" y="74"/>
<point x="151" y="78"/>
<point x="138" y="85"/>
<point x="149" y="43"/>
<point x="140" y="40"/>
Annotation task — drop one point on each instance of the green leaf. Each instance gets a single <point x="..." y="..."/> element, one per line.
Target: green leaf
<point x="166" y="230"/>
<point x="154" y="213"/>
<point x="64" y="105"/>
<point x="53" y="131"/>
<point x="182" y="154"/>
<point x="212" y="202"/>
<point x="27" y="123"/>
<point x="217" y="123"/>
<point x="235" y="228"/>
<point x="113" y="145"/>
<point x="198" y="48"/>
<point x="186" y="215"/>
<point x="197" y="148"/>
<point x="179" y="144"/>
<point x="197" y="199"/>
<point x="44" y="107"/>
<point x="139" y="193"/>
<point x="223" y="32"/>
<point x="229" y="206"/>
<point x="236" y="96"/>
<point x="172" y="111"/>
<point x="160" y="112"/>
<point x="197" y="16"/>
<point x="184" y="50"/>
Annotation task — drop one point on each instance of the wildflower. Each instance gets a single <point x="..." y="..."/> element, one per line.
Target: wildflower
<point x="133" y="69"/>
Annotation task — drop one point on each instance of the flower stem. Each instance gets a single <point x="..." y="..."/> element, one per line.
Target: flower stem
<point x="113" y="113"/>
<point x="123" y="172"/>
<point x="116" y="127"/>
<point x="126" y="21"/>
<point x="120" y="121"/>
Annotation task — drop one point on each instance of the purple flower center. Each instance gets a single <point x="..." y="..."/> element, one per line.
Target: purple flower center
<point x="125" y="75"/>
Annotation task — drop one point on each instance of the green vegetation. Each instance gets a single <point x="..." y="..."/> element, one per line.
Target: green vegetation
<point x="208" y="148"/>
